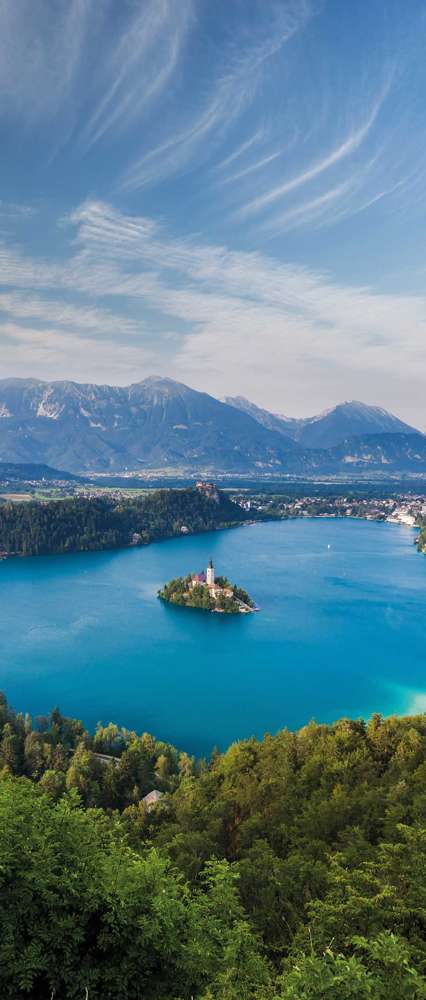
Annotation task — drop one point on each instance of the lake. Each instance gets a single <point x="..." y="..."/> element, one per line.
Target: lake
<point x="341" y="631"/>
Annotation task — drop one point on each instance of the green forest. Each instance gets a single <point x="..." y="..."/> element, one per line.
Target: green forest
<point x="422" y="537"/>
<point x="287" y="868"/>
<point x="80" y="524"/>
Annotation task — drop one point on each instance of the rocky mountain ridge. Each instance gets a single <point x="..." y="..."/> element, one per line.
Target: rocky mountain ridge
<point x="329" y="428"/>
<point x="162" y="424"/>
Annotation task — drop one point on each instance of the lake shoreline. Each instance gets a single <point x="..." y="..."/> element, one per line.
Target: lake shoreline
<point x="253" y="522"/>
<point x="340" y="632"/>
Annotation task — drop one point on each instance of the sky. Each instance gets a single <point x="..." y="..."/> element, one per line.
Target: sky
<point x="231" y="194"/>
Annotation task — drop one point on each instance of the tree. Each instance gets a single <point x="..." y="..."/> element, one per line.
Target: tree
<point x="83" y="774"/>
<point x="81" y="911"/>
<point x="34" y="755"/>
<point x="10" y="751"/>
<point x="53" y="784"/>
<point x="380" y="970"/>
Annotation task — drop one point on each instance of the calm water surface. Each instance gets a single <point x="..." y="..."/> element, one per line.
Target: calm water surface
<point x="341" y="632"/>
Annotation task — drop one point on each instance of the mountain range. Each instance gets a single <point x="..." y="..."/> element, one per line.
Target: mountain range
<point x="330" y="427"/>
<point x="162" y="424"/>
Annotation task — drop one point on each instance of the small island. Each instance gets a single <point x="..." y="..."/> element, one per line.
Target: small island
<point x="208" y="593"/>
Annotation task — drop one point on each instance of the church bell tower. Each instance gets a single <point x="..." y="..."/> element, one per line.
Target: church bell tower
<point x="210" y="574"/>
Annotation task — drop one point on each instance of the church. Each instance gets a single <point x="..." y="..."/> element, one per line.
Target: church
<point x="207" y="579"/>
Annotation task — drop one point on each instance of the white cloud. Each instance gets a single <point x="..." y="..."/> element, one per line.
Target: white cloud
<point x="54" y="353"/>
<point x="68" y="315"/>
<point x="235" y="321"/>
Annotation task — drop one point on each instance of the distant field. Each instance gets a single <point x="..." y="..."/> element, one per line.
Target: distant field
<point x="291" y="488"/>
<point x="365" y="487"/>
<point x="18" y="497"/>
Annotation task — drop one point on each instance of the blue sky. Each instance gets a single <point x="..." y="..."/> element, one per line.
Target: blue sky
<point x="231" y="194"/>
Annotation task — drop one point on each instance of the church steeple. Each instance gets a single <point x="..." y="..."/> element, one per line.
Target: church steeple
<point x="210" y="573"/>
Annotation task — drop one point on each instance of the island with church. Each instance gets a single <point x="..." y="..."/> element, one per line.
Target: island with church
<point x="208" y="593"/>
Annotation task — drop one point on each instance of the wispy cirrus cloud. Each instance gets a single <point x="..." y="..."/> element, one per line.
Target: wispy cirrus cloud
<point x="139" y="66"/>
<point x="230" y="91"/>
<point x="251" y="168"/>
<point x="40" y="49"/>
<point x="241" y="149"/>
<point x="324" y="139"/>
<point x="311" y="210"/>
<point x="342" y="151"/>
<point x="47" y="64"/>
<point x="242" y="98"/>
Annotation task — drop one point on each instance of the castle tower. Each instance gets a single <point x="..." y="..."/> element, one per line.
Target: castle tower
<point x="210" y="574"/>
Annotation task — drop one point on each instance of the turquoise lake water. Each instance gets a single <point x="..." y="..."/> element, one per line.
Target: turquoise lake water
<point x="341" y="632"/>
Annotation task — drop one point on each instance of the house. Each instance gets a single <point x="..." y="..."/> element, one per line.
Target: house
<point x="151" y="800"/>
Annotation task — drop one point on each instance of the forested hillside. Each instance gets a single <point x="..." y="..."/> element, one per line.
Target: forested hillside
<point x="291" y="868"/>
<point x="80" y="524"/>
